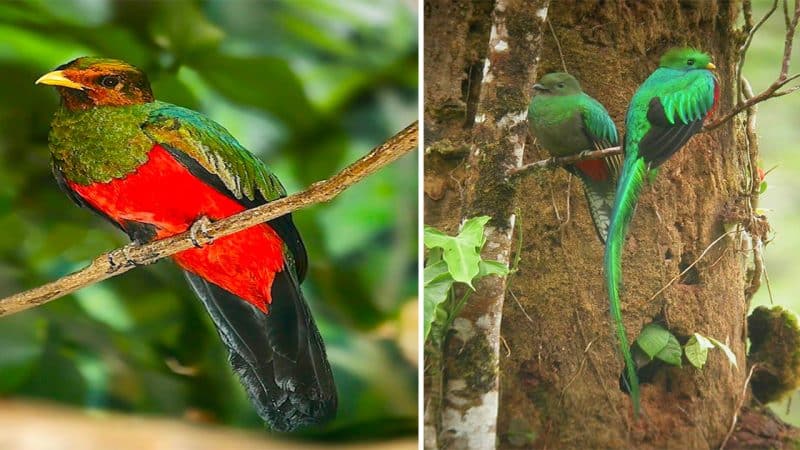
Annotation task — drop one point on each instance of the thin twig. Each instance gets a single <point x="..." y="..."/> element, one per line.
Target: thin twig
<point x="558" y="45"/>
<point x="514" y="296"/>
<point x="683" y="272"/>
<point x="559" y="161"/>
<point x="505" y="344"/>
<point x="555" y="206"/>
<point x="569" y="195"/>
<point x="103" y="267"/>
<point x="766" y="280"/>
<point x="751" y="31"/>
<point x="577" y="372"/>
<point x="739" y="405"/>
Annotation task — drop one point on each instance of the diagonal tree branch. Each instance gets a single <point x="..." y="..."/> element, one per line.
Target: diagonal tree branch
<point x="558" y="161"/>
<point x="105" y="266"/>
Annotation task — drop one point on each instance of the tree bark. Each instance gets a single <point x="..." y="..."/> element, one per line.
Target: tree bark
<point x="559" y="366"/>
<point x="494" y="110"/>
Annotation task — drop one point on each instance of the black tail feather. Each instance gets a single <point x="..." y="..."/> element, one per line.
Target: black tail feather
<point x="279" y="356"/>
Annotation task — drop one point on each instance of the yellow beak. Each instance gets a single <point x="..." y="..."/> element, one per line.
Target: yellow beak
<point x="711" y="66"/>
<point x="57" y="78"/>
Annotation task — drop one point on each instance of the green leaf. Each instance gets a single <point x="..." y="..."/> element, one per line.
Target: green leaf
<point x="461" y="252"/>
<point x="696" y="350"/>
<point x="434" y="238"/>
<point x="472" y="230"/>
<point x="672" y="352"/>
<point x="486" y="268"/>
<point x="437" y="285"/>
<point x="725" y="349"/>
<point x="653" y="339"/>
<point x="434" y="255"/>
<point x="435" y="272"/>
<point x="762" y="187"/>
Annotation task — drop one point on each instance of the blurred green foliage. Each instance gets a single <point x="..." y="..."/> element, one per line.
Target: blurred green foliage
<point x="779" y="145"/>
<point x="307" y="86"/>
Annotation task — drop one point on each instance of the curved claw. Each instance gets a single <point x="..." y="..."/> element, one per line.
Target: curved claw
<point x="199" y="234"/>
<point x="121" y="258"/>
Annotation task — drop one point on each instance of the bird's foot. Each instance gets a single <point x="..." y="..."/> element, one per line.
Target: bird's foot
<point x="199" y="232"/>
<point x="121" y="257"/>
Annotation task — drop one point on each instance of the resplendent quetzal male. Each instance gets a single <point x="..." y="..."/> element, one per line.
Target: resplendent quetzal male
<point x="666" y="110"/>
<point x="566" y="122"/>
<point x="153" y="169"/>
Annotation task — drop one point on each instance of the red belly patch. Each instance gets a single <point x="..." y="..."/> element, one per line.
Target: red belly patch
<point x="595" y="169"/>
<point x="163" y="193"/>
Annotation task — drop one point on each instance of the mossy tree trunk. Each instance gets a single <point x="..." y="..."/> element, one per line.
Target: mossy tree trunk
<point x="559" y="367"/>
<point x="465" y="413"/>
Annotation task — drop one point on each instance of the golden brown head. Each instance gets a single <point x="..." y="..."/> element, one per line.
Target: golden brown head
<point x="88" y="82"/>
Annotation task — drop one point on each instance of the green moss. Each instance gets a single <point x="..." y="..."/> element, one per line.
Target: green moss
<point x="521" y="433"/>
<point x="474" y="364"/>
<point x="775" y="347"/>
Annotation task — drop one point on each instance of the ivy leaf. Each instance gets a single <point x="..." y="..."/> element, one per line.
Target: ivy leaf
<point x="437" y="285"/>
<point x="653" y="339"/>
<point x="725" y="349"/>
<point x="487" y="268"/>
<point x="434" y="255"/>
<point x="672" y="352"/>
<point x="460" y="252"/>
<point x="696" y="350"/>
<point x="472" y="230"/>
<point x="434" y="271"/>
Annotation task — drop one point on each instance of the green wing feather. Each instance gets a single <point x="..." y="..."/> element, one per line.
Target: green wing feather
<point x="602" y="130"/>
<point x="598" y="123"/>
<point x="211" y="146"/>
<point x="687" y="98"/>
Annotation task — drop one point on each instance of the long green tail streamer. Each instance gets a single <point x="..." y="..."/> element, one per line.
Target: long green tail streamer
<point x="628" y="189"/>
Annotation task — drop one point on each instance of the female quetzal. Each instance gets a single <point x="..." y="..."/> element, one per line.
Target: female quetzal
<point x="666" y="110"/>
<point x="566" y="122"/>
<point x="153" y="169"/>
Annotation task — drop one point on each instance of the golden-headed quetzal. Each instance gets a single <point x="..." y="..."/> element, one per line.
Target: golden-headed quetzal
<point x="153" y="169"/>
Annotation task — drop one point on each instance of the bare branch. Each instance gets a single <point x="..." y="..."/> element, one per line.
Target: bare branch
<point x="783" y="78"/>
<point x="751" y="31"/>
<point x="559" y="161"/>
<point x="106" y="265"/>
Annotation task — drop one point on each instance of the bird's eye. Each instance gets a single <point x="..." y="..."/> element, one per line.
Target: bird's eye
<point x="560" y="85"/>
<point x="109" y="81"/>
<point x="690" y="61"/>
